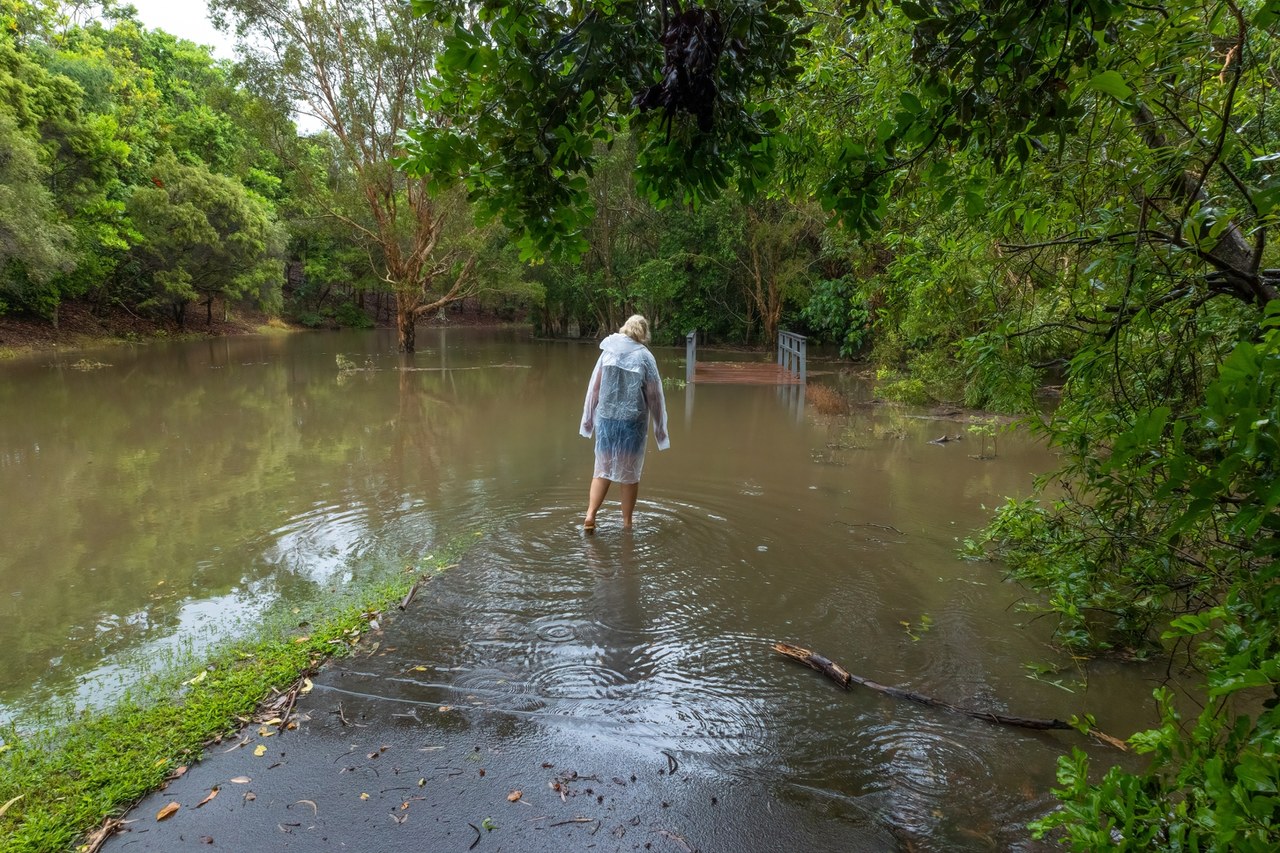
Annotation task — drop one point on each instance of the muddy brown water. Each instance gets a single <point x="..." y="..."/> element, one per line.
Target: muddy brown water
<point x="160" y="501"/>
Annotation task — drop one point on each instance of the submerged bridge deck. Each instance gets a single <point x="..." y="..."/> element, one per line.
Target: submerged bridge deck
<point x="790" y="368"/>
<point x="744" y="373"/>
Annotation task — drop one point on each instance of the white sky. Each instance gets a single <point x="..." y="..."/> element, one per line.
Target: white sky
<point x="188" y="19"/>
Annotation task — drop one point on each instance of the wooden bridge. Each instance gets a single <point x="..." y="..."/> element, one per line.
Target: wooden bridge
<point x="788" y="370"/>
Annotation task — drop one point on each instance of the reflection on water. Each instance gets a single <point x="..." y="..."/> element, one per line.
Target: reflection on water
<point x="159" y="500"/>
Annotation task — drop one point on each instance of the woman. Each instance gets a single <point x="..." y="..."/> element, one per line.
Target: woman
<point x="624" y="392"/>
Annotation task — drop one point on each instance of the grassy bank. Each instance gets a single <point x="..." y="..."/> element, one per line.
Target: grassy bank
<point x="60" y="783"/>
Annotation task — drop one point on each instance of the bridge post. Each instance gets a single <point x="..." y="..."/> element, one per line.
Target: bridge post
<point x="690" y="355"/>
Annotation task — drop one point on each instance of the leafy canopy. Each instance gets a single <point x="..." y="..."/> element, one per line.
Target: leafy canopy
<point x="527" y="95"/>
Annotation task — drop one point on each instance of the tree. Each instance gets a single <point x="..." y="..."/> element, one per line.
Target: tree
<point x="33" y="244"/>
<point x="203" y="236"/>
<point x="101" y="100"/>
<point x="55" y="204"/>
<point x="356" y="66"/>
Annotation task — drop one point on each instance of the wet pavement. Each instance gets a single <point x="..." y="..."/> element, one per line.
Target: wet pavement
<point x="415" y="745"/>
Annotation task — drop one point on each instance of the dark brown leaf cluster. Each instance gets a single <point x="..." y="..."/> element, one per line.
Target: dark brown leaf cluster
<point x="692" y="42"/>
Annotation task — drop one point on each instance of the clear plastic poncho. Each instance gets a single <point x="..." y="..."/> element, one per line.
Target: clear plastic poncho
<point x="624" y="394"/>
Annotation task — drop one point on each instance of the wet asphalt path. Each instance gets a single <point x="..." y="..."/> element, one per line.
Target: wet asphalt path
<point x="403" y="747"/>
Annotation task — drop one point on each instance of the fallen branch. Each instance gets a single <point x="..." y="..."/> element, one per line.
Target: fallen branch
<point x="846" y="679"/>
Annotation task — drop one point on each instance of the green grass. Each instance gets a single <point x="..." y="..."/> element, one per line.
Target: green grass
<point x="69" y="777"/>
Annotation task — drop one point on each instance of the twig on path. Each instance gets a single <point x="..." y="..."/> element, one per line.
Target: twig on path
<point x="677" y="839"/>
<point x="102" y="833"/>
<point x="288" y="709"/>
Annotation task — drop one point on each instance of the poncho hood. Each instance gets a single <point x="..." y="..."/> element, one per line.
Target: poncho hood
<point x="620" y="344"/>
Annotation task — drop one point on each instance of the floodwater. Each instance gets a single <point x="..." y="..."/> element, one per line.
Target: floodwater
<point x="161" y="500"/>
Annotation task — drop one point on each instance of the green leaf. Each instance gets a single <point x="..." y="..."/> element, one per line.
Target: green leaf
<point x="1111" y="83"/>
<point x="914" y="11"/>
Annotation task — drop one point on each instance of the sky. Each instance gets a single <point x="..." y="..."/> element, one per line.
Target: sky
<point x="188" y="19"/>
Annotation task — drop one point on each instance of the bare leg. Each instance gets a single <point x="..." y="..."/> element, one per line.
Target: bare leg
<point x="629" y="493"/>
<point x="599" y="488"/>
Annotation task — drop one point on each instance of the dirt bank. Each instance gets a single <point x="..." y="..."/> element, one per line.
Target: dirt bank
<point x="81" y="325"/>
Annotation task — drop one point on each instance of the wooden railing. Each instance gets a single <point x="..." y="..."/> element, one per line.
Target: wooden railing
<point x="690" y="355"/>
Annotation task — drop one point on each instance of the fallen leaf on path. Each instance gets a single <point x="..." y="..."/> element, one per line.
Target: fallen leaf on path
<point x="167" y="811"/>
<point x="212" y="793"/>
<point x="364" y="796"/>
<point x="244" y="742"/>
<point x="306" y="686"/>
<point x="261" y="750"/>
<point x="250" y="796"/>
<point x="513" y="796"/>
<point x="177" y="773"/>
<point x="422" y="782"/>
<point x="242" y="780"/>
<point x="314" y="810"/>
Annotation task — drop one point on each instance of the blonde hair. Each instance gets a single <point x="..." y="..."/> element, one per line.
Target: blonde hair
<point x="636" y="328"/>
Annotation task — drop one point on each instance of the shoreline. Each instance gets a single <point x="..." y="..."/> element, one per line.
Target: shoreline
<point x="67" y="781"/>
<point x="79" y="327"/>
<point x="82" y="327"/>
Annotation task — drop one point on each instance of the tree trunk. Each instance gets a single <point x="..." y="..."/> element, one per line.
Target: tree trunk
<point x="406" y="323"/>
<point x="1235" y="259"/>
<point x="208" y="313"/>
